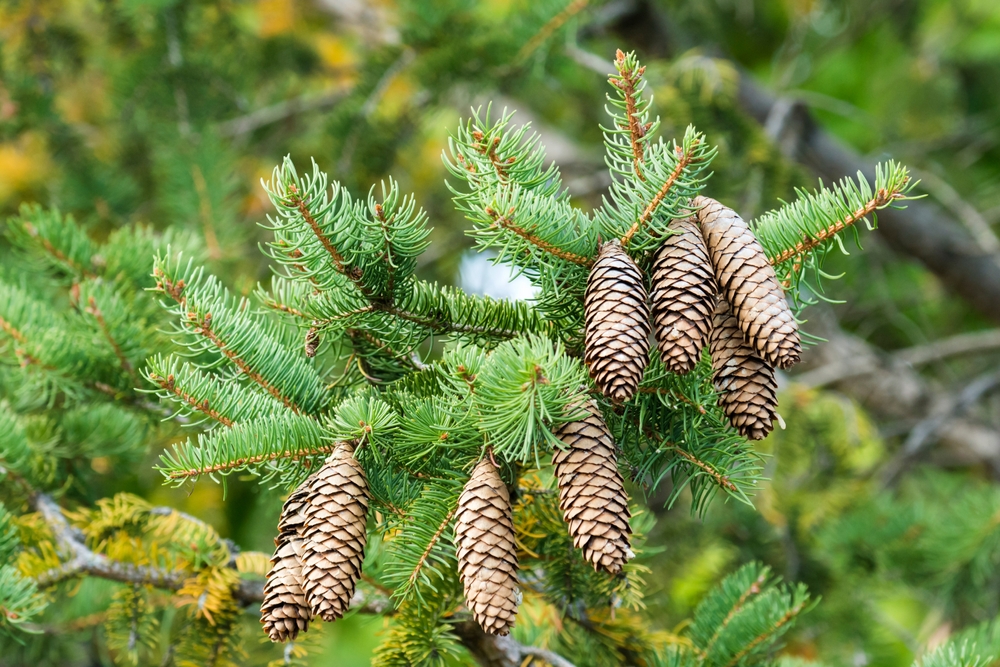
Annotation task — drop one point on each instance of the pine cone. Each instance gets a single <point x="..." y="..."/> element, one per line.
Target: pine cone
<point x="682" y="295"/>
<point x="487" y="555"/>
<point x="285" y="612"/>
<point x="747" y="390"/>
<point x="748" y="282"/>
<point x="592" y="492"/>
<point x="617" y="324"/>
<point x="334" y="537"/>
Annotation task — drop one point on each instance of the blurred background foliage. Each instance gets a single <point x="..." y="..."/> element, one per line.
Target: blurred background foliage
<point x="169" y="112"/>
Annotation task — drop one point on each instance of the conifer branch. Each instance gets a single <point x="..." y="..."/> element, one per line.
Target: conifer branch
<point x="685" y="159"/>
<point x="552" y="25"/>
<point x="294" y="455"/>
<point x="168" y="384"/>
<point x="203" y="326"/>
<point x="753" y="589"/>
<point x="490" y="151"/>
<point x="626" y="83"/>
<point x="507" y="222"/>
<point x="354" y="274"/>
<point x="12" y="331"/>
<point x="55" y="252"/>
<point x="719" y="478"/>
<point x="93" y="310"/>
<point x="881" y="199"/>
<point x="435" y="538"/>
<point x="764" y="636"/>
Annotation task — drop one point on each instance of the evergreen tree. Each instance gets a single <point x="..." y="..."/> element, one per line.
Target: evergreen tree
<point x="349" y="372"/>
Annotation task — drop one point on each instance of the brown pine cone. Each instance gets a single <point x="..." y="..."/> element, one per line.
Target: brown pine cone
<point x="748" y="282"/>
<point x="487" y="554"/>
<point x="682" y="296"/>
<point x="592" y="492"/>
<point x="285" y="612"/>
<point x="335" y="533"/>
<point x="616" y="331"/>
<point x="747" y="389"/>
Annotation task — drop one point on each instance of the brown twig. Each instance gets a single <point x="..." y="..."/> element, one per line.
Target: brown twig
<point x="881" y="199"/>
<point x="58" y="254"/>
<point x="507" y="222"/>
<point x="430" y="546"/>
<point x="720" y="479"/>
<point x="627" y="84"/>
<point x="251" y="460"/>
<point x="553" y="24"/>
<point x="670" y="392"/>
<point x="92" y="309"/>
<point x="168" y="384"/>
<point x="789" y="615"/>
<point x="686" y="158"/>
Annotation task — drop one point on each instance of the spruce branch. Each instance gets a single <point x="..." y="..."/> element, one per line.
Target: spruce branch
<point x="551" y="26"/>
<point x="507" y="222"/>
<point x="628" y="82"/>
<point x="249" y="445"/>
<point x="685" y="156"/>
<point x="753" y="589"/>
<point x="640" y="211"/>
<point x="628" y="139"/>
<point x="54" y="239"/>
<point x="717" y="477"/>
<point x="797" y="236"/>
<point x="211" y="320"/>
<point x="93" y="310"/>
<point x="894" y="188"/>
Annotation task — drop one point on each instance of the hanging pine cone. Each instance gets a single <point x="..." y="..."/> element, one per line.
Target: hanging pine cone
<point x="285" y="612"/>
<point x="334" y="533"/>
<point x="682" y="296"/>
<point x="747" y="390"/>
<point x="749" y="283"/>
<point x="312" y="342"/>
<point x="487" y="555"/>
<point x="592" y="492"/>
<point x="616" y="331"/>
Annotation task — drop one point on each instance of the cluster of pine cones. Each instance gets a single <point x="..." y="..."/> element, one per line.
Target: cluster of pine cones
<point x="321" y="533"/>
<point x="711" y="284"/>
<point x="319" y="548"/>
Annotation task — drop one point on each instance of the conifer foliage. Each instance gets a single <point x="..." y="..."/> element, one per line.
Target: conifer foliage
<point x="453" y="458"/>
